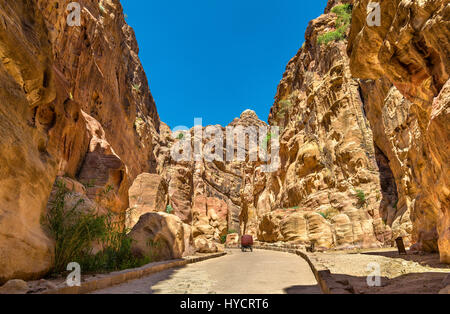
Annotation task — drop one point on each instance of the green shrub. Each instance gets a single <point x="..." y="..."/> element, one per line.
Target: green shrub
<point x="180" y="136"/>
<point x="344" y="13"/>
<point x="116" y="254"/>
<point x="72" y="230"/>
<point x="169" y="209"/>
<point x="223" y="239"/>
<point x="89" y="184"/>
<point x="361" y="197"/>
<point x="75" y="231"/>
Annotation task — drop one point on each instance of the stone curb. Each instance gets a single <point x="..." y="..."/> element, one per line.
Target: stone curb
<point x="116" y="278"/>
<point x="323" y="275"/>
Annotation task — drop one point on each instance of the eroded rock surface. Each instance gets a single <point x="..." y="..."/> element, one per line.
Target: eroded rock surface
<point x="333" y="187"/>
<point x="75" y="103"/>
<point x="406" y="66"/>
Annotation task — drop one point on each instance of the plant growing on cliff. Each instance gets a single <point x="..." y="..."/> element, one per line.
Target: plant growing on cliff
<point x="180" y="136"/>
<point x="362" y="200"/>
<point x="100" y="6"/>
<point x="267" y="140"/>
<point x="169" y="209"/>
<point x="344" y="18"/>
<point x="324" y="215"/>
<point x="223" y="239"/>
<point x="136" y="87"/>
<point x="89" y="184"/>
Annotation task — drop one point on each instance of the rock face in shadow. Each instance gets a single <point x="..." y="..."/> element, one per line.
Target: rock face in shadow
<point x="406" y="68"/>
<point x="75" y="103"/>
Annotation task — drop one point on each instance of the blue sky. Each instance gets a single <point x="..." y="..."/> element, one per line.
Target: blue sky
<point x="213" y="58"/>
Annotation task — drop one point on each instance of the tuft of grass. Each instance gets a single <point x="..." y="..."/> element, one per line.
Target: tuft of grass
<point x="169" y="209"/>
<point x="362" y="200"/>
<point x="267" y="140"/>
<point x="75" y="231"/>
<point x="136" y="87"/>
<point x="89" y="184"/>
<point x="325" y="215"/>
<point x="180" y="136"/>
<point x="343" y="21"/>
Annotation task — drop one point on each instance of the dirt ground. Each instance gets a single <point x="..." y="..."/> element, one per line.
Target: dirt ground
<point x="414" y="273"/>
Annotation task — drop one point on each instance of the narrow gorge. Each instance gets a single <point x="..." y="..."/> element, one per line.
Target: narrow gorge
<point x="364" y="139"/>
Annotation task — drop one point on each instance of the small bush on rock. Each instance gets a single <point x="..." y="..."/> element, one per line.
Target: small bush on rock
<point x="75" y="232"/>
<point x="344" y="13"/>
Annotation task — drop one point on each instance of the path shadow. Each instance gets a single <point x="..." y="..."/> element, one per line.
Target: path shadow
<point x="425" y="259"/>
<point x="414" y="283"/>
<point x="303" y="290"/>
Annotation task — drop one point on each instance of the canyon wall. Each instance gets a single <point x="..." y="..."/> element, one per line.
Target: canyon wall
<point x="364" y="156"/>
<point x="334" y="187"/>
<point x="404" y="67"/>
<point x="75" y="103"/>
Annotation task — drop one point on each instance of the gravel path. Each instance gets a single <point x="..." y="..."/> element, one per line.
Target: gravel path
<point x="260" y="272"/>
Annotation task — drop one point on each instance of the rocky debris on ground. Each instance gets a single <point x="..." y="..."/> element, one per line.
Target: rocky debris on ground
<point x="399" y="273"/>
<point x="15" y="286"/>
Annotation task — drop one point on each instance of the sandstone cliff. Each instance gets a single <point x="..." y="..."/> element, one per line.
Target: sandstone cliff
<point x="363" y="113"/>
<point x="405" y="67"/>
<point x="74" y="102"/>
<point x="334" y="187"/>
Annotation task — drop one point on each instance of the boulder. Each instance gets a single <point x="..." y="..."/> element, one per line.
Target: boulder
<point x="203" y="245"/>
<point x="161" y="236"/>
<point x="232" y="240"/>
<point x="147" y="194"/>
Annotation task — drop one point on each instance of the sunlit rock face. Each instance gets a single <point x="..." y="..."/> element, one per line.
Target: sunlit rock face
<point x="75" y="103"/>
<point x="206" y="194"/>
<point x="406" y="68"/>
<point x="335" y="187"/>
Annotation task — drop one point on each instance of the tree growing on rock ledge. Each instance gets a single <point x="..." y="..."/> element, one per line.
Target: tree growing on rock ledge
<point x="343" y="21"/>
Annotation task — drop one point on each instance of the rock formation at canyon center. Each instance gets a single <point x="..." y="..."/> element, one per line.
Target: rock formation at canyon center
<point x="364" y="137"/>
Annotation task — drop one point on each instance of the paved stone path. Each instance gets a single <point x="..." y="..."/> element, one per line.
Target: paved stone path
<point x="260" y="272"/>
